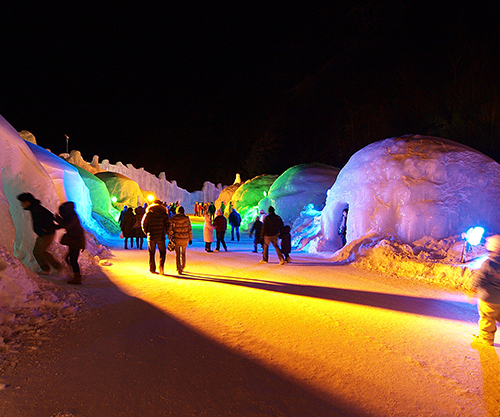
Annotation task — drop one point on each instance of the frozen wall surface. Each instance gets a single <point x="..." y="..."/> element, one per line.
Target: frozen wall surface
<point x="71" y="187"/>
<point x="246" y="198"/>
<point x="163" y="189"/>
<point x="20" y="172"/>
<point x="412" y="187"/>
<point x="297" y="188"/>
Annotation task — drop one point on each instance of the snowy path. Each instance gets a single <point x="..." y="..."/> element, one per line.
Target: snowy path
<point x="235" y="338"/>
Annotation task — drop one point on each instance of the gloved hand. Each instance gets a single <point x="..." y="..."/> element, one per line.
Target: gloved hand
<point x="190" y="242"/>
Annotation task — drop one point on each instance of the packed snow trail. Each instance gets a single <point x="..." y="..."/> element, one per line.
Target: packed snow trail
<point x="233" y="337"/>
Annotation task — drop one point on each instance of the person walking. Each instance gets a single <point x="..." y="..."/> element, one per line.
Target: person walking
<point x="74" y="238"/>
<point x="155" y="225"/>
<point x="271" y="229"/>
<point x="127" y="227"/>
<point x="486" y="284"/>
<point x="45" y="229"/>
<point x="286" y="243"/>
<point x="183" y="235"/>
<point x="138" y="233"/>
<point x="208" y="233"/>
<point x="256" y="230"/>
<point x="235" y="221"/>
<point x="220" y="224"/>
<point x="211" y="210"/>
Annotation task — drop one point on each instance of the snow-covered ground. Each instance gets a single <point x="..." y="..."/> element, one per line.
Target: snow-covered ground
<point x="348" y="340"/>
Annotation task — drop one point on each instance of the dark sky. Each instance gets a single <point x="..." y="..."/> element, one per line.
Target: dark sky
<point x="183" y="87"/>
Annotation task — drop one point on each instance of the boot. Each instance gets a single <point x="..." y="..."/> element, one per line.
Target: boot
<point x="77" y="279"/>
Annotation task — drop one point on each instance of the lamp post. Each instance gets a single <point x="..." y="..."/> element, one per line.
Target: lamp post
<point x="67" y="140"/>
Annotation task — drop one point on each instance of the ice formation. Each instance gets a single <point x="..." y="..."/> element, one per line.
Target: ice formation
<point x="246" y="198"/>
<point x="297" y="188"/>
<point x="162" y="189"/>
<point x="225" y="196"/>
<point x="409" y="188"/>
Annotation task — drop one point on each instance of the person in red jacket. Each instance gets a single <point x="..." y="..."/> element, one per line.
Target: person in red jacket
<point x="220" y="224"/>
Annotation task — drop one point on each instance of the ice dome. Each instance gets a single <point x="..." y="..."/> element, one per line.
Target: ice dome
<point x="412" y="187"/>
<point x="246" y="198"/>
<point x="298" y="187"/>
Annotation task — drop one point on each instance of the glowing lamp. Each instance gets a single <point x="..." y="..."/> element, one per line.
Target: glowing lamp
<point x="265" y="193"/>
<point x="114" y="199"/>
<point x="472" y="237"/>
<point x="151" y="197"/>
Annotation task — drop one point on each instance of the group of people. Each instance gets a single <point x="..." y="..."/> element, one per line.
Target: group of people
<point x="157" y="224"/>
<point x="130" y="225"/>
<point x="219" y="224"/>
<point x="45" y="225"/>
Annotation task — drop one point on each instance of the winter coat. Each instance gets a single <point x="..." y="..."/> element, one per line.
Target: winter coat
<point x="487" y="280"/>
<point x="208" y="230"/>
<point x="43" y="219"/>
<point x="155" y="222"/>
<point x="68" y="219"/>
<point x="139" y="214"/>
<point x="127" y="225"/>
<point x="286" y="240"/>
<point x="234" y="218"/>
<point x="273" y="225"/>
<point x="256" y="230"/>
<point x="220" y="223"/>
<point x="181" y="229"/>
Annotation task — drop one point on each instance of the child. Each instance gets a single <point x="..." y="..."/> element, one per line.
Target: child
<point x="257" y="228"/>
<point x="286" y="243"/>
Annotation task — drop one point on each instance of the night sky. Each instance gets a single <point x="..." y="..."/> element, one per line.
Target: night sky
<point x="202" y="90"/>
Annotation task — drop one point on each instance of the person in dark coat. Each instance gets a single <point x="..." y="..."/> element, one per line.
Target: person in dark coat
<point x="183" y="236"/>
<point x="343" y="226"/>
<point x="45" y="228"/>
<point x="138" y="233"/>
<point x="286" y="243"/>
<point x="235" y="221"/>
<point x="211" y="211"/>
<point x="74" y="238"/>
<point x="256" y="230"/>
<point x="486" y="284"/>
<point x="155" y="224"/>
<point x="220" y="224"/>
<point x="271" y="229"/>
<point x="127" y="227"/>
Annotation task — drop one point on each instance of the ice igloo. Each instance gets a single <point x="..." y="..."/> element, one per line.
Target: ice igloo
<point x="298" y="187"/>
<point x="246" y="198"/>
<point x="412" y="187"/>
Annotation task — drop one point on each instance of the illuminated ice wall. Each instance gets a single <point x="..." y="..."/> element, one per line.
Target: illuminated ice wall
<point x="410" y="187"/>
<point x="247" y="197"/>
<point x="297" y="188"/>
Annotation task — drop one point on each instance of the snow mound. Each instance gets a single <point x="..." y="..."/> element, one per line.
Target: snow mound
<point x="428" y="260"/>
<point x="298" y="187"/>
<point x="411" y="187"/>
<point x="29" y="304"/>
